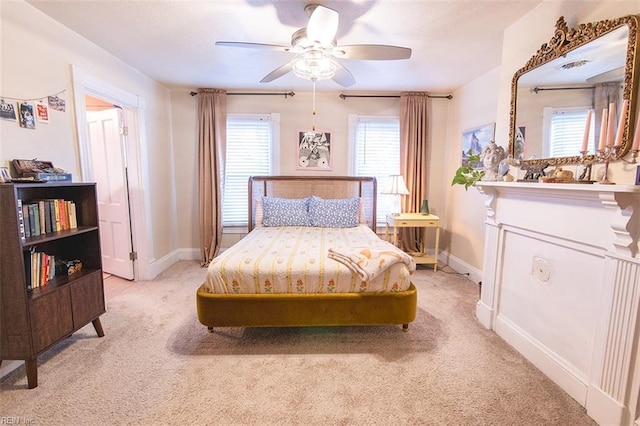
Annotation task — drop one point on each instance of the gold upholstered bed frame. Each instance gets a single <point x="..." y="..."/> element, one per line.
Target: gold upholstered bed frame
<point x="322" y="309"/>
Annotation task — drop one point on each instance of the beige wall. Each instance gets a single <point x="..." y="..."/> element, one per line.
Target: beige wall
<point x="295" y="115"/>
<point x="463" y="235"/>
<point x="37" y="55"/>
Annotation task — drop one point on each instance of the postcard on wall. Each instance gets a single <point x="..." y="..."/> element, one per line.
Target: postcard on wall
<point x="314" y="151"/>
<point x="42" y="112"/>
<point x="57" y="103"/>
<point x="27" y="116"/>
<point x="475" y="140"/>
<point x="7" y="110"/>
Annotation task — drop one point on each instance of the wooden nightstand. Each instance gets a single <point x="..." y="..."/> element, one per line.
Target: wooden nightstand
<point x="416" y="220"/>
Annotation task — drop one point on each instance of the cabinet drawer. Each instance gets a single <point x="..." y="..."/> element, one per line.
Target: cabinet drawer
<point x="50" y="318"/>
<point x="416" y="223"/>
<point x="87" y="299"/>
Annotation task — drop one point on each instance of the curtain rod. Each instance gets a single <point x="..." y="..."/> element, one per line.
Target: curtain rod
<point x="285" y="94"/>
<point x="343" y="96"/>
<point x="540" y="89"/>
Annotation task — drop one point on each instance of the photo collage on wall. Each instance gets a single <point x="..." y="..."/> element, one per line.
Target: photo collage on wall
<point x="27" y="113"/>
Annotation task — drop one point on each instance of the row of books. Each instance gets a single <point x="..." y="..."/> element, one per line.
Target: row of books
<point x="45" y="216"/>
<point x="40" y="268"/>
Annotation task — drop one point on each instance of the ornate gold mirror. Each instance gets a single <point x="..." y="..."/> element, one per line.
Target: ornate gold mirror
<point x="577" y="70"/>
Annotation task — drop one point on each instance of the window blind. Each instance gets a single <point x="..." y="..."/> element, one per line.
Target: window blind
<point x="377" y="153"/>
<point x="567" y="132"/>
<point x="248" y="153"/>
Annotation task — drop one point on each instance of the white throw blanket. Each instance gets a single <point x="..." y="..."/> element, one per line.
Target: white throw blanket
<point x="371" y="260"/>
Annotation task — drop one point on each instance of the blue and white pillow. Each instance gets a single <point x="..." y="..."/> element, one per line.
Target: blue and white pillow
<point x="334" y="213"/>
<point x="285" y="211"/>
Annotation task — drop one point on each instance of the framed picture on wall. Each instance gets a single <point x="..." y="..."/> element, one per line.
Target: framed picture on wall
<point x="314" y="151"/>
<point x="7" y="110"/>
<point x="4" y="175"/>
<point x="475" y="140"/>
<point x="27" y="115"/>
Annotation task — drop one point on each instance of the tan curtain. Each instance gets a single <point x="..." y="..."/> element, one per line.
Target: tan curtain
<point x="414" y="145"/>
<point x="212" y="140"/>
<point x="603" y="95"/>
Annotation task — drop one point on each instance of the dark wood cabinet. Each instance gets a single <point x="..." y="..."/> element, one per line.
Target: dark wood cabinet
<point x="32" y="320"/>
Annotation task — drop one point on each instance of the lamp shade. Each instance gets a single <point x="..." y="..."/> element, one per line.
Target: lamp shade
<point x="396" y="185"/>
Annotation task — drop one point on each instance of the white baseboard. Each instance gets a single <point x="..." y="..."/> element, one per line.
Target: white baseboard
<point x="460" y="266"/>
<point x="604" y="409"/>
<point x="158" y="266"/>
<point x="484" y="314"/>
<point x="9" y="366"/>
<point x="553" y="366"/>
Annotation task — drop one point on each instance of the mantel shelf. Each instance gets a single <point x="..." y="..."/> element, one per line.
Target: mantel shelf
<point x="563" y="187"/>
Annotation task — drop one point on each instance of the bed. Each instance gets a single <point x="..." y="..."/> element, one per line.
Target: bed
<point x="296" y="275"/>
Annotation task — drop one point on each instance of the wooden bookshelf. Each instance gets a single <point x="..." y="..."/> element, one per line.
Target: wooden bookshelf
<point x="31" y="321"/>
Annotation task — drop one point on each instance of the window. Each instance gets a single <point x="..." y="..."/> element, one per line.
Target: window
<point x="375" y="144"/>
<point x="564" y="131"/>
<point x="251" y="150"/>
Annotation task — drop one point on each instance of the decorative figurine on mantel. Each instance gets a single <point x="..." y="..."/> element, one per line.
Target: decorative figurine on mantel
<point x="491" y="156"/>
<point x="533" y="172"/>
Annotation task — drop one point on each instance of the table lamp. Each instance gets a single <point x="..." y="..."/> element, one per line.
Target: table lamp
<point x="397" y="187"/>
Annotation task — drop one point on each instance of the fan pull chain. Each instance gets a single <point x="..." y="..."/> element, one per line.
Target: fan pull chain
<point x="313" y="112"/>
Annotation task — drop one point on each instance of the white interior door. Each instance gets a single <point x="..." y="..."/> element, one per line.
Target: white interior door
<point x="110" y="173"/>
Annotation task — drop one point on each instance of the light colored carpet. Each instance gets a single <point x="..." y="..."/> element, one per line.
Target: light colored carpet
<point x="158" y="365"/>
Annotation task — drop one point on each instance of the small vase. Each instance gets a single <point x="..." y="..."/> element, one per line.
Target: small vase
<point x="425" y="207"/>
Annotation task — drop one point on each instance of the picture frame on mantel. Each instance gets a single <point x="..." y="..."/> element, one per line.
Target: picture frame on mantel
<point x="314" y="151"/>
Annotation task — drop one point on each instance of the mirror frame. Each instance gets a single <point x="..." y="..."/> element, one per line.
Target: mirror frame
<point x="566" y="39"/>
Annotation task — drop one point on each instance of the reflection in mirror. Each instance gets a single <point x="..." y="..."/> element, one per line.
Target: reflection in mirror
<point x="591" y="68"/>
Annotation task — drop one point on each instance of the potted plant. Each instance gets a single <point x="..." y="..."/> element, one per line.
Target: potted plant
<point x="469" y="173"/>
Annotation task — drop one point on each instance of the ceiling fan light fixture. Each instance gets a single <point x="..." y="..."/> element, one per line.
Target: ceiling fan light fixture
<point x="314" y="65"/>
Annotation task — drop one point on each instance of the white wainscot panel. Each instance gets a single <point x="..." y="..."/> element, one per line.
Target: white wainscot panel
<point x="541" y="301"/>
<point x="562" y="286"/>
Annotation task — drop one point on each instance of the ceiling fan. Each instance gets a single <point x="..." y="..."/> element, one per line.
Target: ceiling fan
<point x="316" y="50"/>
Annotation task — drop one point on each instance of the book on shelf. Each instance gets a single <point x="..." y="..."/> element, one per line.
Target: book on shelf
<point x="73" y="219"/>
<point x="41" y="217"/>
<point x="21" y="220"/>
<point x="63" y="215"/>
<point x="56" y="208"/>
<point x="25" y="218"/>
<point x="34" y="220"/>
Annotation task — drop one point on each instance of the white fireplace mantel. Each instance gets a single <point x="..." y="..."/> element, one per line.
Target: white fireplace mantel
<point x="561" y="284"/>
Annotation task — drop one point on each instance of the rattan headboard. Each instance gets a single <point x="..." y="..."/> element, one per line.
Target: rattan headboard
<point x="305" y="186"/>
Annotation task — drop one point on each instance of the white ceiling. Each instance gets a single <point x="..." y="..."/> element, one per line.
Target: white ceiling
<point x="172" y="42"/>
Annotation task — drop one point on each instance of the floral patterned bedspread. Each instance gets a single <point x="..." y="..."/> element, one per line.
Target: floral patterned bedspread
<point x="294" y="259"/>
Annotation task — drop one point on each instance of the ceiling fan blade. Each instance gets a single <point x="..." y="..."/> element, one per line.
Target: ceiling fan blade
<point x="375" y="52"/>
<point x="253" y="45"/>
<point x="323" y="25"/>
<point x="343" y="76"/>
<point x="277" y="73"/>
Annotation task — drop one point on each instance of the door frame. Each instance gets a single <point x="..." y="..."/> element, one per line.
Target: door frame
<point x="133" y="108"/>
